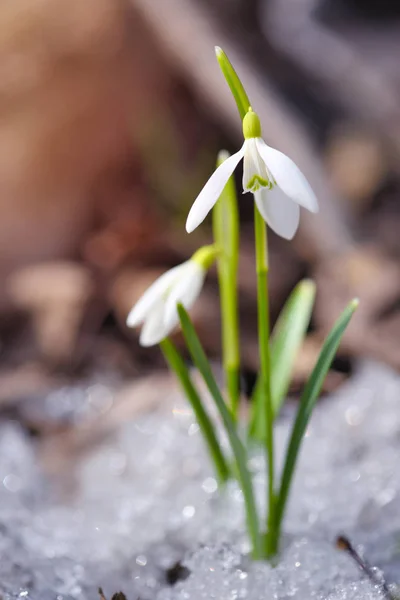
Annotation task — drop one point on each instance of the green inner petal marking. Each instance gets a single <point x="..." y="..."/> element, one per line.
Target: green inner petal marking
<point x="257" y="182"/>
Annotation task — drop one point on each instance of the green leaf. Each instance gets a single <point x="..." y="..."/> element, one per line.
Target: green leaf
<point x="287" y="337"/>
<point x="232" y="79"/>
<point x="239" y="452"/>
<point x="177" y="365"/>
<point x="307" y="404"/>
<point x="286" y="340"/>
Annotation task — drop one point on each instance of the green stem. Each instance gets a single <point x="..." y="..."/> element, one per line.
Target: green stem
<point x="265" y="368"/>
<point x="256" y="427"/>
<point x="177" y="365"/>
<point x="232" y="376"/>
<point x="238" y="449"/>
<point x="226" y="236"/>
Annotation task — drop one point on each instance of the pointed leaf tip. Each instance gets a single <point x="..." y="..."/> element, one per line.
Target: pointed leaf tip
<point x="307" y="284"/>
<point x="233" y="81"/>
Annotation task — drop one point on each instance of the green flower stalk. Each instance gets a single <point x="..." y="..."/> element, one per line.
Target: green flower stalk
<point x="286" y="339"/>
<point x="262" y="269"/>
<point x="226" y="237"/>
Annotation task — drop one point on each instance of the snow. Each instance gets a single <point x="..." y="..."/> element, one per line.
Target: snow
<point x="146" y="498"/>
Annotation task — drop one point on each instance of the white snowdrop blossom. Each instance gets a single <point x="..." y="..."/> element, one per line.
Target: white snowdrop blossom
<point x="278" y="185"/>
<point x="157" y="308"/>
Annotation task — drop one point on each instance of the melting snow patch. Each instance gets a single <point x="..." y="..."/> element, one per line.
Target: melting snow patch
<point x="147" y="499"/>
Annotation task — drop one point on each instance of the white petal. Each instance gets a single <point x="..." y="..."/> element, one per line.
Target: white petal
<point x="279" y="211"/>
<point x="186" y="292"/>
<point x="212" y="191"/>
<point x="288" y="176"/>
<point x="151" y="296"/>
<point x="154" y="329"/>
<point x="255" y="174"/>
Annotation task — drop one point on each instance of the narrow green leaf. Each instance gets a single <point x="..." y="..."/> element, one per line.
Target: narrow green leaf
<point x="226" y="237"/>
<point x="177" y="365"/>
<point x="239" y="452"/>
<point x="286" y="340"/>
<point x="232" y="79"/>
<point x="307" y="403"/>
<point x="257" y="424"/>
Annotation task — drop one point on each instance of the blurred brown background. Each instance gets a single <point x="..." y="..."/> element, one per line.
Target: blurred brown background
<point x="111" y="116"/>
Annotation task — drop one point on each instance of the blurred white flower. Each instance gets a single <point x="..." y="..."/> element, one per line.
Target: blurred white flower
<point x="157" y="308"/>
<point x="278" y="185"/>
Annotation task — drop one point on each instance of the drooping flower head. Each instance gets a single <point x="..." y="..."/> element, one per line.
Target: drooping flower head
<point x="157" y="308"/>
<point x="278" y="185"/>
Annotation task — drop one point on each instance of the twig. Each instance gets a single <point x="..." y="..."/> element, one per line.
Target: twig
<point x="343" y="543"/>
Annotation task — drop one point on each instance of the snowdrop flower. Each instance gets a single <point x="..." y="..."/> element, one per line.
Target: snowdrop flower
<point x="278" y="185"/>
<point x="157" y="308"/>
